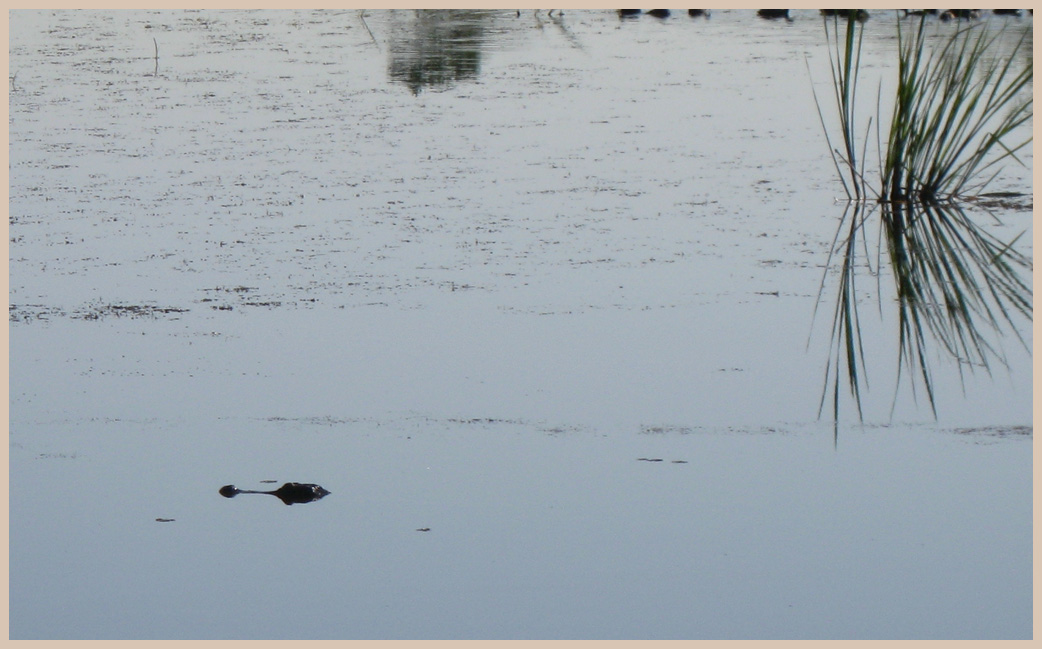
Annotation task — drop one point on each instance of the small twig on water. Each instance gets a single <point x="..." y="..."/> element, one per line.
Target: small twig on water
<point x="155" y="73"/>
<point x="361" y="15"/>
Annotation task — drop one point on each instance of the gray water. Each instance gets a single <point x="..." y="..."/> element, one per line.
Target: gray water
<point x="533" y="297"/>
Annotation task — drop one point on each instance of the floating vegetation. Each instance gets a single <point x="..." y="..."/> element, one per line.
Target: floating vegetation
<point x="485" y="421"/>
<point x="97" y="311"/>
<point x="953" y="111"/>
<point x="30" y="312"/>
<point x="648" y="429"/>
<point x="60" y="456"/>
<point x="325" y="420"/>
<point x="996" y="432"/>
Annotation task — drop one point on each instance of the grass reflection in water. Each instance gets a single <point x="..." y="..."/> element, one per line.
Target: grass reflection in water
<point x="956" y="287"/>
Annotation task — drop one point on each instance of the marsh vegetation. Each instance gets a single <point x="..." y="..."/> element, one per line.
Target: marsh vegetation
<point x="956" y="114"/>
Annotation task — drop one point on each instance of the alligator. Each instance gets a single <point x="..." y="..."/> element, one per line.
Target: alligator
<point x="290" y="493"/>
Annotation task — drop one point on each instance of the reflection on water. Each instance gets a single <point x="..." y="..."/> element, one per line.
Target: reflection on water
<point x="957" y="288"/>
<point x="437" y="48"/>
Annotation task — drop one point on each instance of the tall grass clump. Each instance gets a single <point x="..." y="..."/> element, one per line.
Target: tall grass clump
<point x="956" y="104"/>
<point x="845" y="63"/>
<point x="957" y="290"/>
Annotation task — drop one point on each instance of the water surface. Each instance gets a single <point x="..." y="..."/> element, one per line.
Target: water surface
<point x="542" y="287"/>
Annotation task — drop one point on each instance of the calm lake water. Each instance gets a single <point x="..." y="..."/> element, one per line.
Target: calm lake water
<point x="541" y="301"/>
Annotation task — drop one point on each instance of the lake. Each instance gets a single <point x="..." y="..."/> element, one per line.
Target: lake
<point x="543" y="301"/>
